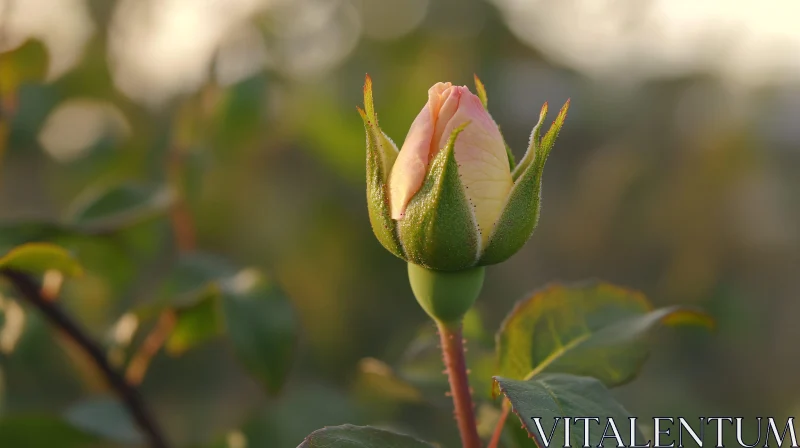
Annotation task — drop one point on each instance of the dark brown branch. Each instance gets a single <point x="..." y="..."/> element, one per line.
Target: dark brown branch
<point x="30" y="291"/>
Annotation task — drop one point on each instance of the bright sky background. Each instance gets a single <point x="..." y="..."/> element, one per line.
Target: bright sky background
<point x="160" y="48"/>
<point x="743" y="41"/>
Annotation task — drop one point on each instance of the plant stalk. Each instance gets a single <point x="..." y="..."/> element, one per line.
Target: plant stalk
<point x="31" y="292"/>
<point x="498" y="429"/>
<point x="452" y="344"/>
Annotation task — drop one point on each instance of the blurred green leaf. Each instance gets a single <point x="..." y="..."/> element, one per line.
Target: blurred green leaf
<point x="15" y="233"/>
<point x="120" y="206"/>
<point x="104" y="417"/>
<point x="210" y="298"/>
<point x="27" y="62"/>
<point x="349" y="436"/>
<point x="37" y="258"/>
<point x="334" y="138"/>
<point x="260" y="323"/>
<point x="474" y="330"/>
<point x="421" y="363"/>
<point x="379" y="379"/>
<point x="595" y="330"/>
<point x="192" y="276"/>
<point x="289" y="422"/>
<point x="417" y="377"/>
<point x="192" y="279"/>
<point x="196" y="323"/>
<point x="552" y="396"/>
<point x="192" y="290"/>
<point x="241" y="112"/>
<point x="40" y="431"/>
<point x="2" y="390"/>
<point x="227" y="441"/>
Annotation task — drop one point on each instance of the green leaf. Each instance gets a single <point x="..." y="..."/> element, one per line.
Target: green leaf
<point x="553" y="396"/>
<point x="290" y="422"/>
<point x="379" y="380"/>
<point x="261" y="325"/>
<point x="120" y="206"/>
<point x="104" y="417"/>
<point x="212" y="298"/>
<point x="39" y="431"/>
<point x="381" y="155"/>
<point x="194" y="279"/>
<point x="3" y="389"/>
<point x="17" y="232"/>
<point x="439" y="230"/>
<point x="349" y="436"/>
<point x="193" y="291"/>
<point x="37" y="258"/>
<point x="196" y="323"/>
<point x="26" y="63"/>
<point x="596" y="330"/>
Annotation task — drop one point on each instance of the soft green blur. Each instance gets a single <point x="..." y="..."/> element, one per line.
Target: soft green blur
<point x="682" y="184"/>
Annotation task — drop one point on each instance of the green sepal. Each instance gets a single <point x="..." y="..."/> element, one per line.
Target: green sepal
<point x="521" y="213"/>
<point x="481" y="89"/>
<point x="438" y="230"/>
<point x="533" y="145"/>
<point x="510" y="156"/>
<point x="381" y="155"/>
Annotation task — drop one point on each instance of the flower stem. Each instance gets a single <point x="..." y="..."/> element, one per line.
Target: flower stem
<point x="453" y="354"/>
<point x="498" y="429"/>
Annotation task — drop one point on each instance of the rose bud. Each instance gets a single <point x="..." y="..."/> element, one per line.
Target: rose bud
<point x="452" y="198"/>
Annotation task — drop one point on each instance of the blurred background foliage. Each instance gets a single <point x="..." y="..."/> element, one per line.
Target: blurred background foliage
<point x="134" y="132"/>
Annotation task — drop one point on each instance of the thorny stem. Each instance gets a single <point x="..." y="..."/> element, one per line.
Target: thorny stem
<point x="31" y="292"/>
<point x="452" y="345"/>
